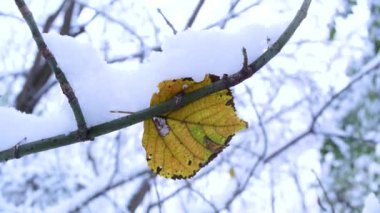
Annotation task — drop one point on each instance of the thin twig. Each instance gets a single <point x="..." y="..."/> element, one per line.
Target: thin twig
<point x="157" y="193"/>
<point x="140" y="54"/>
<point x="230" y="11"/>
<point x="324" y="192"/>
<point x="12" y="74"/>
<point x="50" y="20"/>
<point x="296" y="179"/>
<point x="139" y="195"/>
<point x="116" y="157"/>
<point x="124" y="25"/>
<point x="65" y="86"/>
<point x="194" y="15"/>
<point x="167" y="198"/>
<point x="175" y="193"/>
<point x="288" y="145"/>
<point x="8" y="15"/>
<point x="92" y="159"/>
<point x="223" y="21"/>
<point x="167" y="106"/>
<point x="167" y="21"/>
<point x="260" y="158"/>
<point x="82" y="201"/>
<point x="199" y="194"/>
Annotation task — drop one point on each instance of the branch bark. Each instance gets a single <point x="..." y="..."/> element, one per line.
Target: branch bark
<point x="170" y="105"/>
<point x="51" y="61"/>
<point x="40" y="72"/>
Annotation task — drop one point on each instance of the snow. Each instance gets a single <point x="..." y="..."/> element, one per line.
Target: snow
<point x="71" y="204"/>
<point x="371" y="204"/>
<point x="100" y="88"/>
<point x="20" y="127"/>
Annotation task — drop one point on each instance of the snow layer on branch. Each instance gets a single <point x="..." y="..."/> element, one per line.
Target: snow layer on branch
<point x="100" y="88"/>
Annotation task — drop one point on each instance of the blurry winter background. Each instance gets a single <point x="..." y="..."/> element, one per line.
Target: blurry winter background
<point x="313" y="111"/>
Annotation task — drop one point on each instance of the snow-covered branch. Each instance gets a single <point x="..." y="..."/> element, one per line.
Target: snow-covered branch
<point x="173" y="104"/>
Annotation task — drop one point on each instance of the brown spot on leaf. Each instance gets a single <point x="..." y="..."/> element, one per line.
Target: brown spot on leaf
<point x="230" y="102"/>
<point x="158" y="169"/>
<point x="149" y="157"/>
<point x="212" y="146"/>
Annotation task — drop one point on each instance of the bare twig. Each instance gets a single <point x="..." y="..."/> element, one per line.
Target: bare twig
<point x="138" y="197"/>
<point x="167" y="21"/>
<point x="140" y="54"/>
<point x="199" y="194"/>
<point x="12" y="74"/>
<point x="92" y="159"/>
<point x="124" y="25"/>
<point x="173" y="194"/>
<point x="194" y="15"/>
<point x="223" y="21"/>
<point x="157" y="194"/>
<point x="11" y="16"/>
<point x="260" y="158"/>
<point x="50" y="20"/>
<point x="116" y="157"/>
<point x="332" y="209"/>
<point x="186" y="185"/>
<point x="97" y="191"/>
<point x="288" y="145"/>
<point x="283" y="111"/>
<point x="296" y="179"/>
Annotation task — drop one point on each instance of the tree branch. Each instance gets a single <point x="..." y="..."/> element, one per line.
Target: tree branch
<point x="167" y="21"/>
<point x="65" y="86"/>
<point x="139" y="195"/>
<point x="87" y="195"/>
<point x="194" y="15"/>
<point x="366" y="70"/>
<point x="170" y="105"/>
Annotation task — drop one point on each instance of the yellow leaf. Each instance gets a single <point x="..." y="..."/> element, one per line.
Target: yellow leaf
<point x="180" y="142"/>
